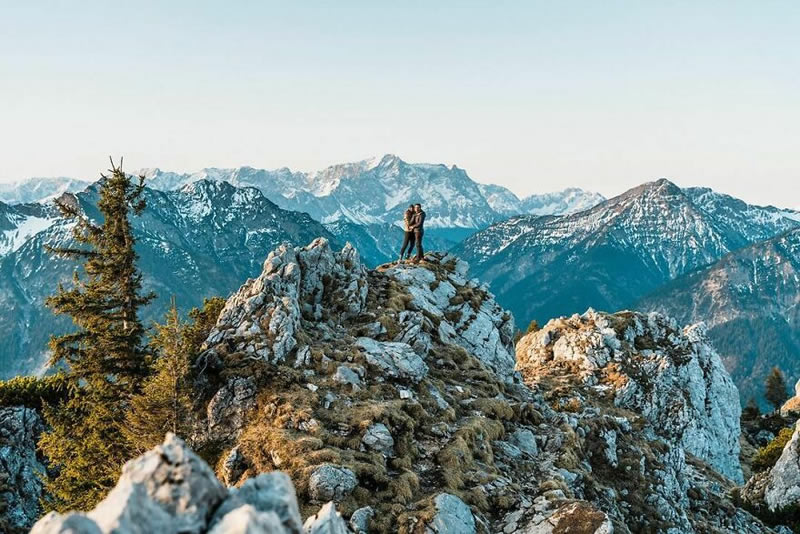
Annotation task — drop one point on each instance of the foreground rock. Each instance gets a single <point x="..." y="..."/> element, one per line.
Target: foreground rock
<point x="171" y="490"/>
<point x="20" y="468"/>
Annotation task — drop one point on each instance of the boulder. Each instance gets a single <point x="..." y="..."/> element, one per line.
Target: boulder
<point x="359" y="521"/>
<point x="452" y="516"/>
<point x="72" y="523"/>
<point x="524" y="440"/>
<point x="128" y="509"/>
<point x="345" y="375"/>
<point x="179" y="481"/>
<point x="268" y="492"/>
<point x="326" y="521"/>
<point x="331" y="482"/>
<point x="248" y="520"/>
<point x="580" y="517"/>
<point x="393" y="360"/>
<point x="379" y="439"/>
<point x="20" y="428"/>
<point x="783" y="485"/>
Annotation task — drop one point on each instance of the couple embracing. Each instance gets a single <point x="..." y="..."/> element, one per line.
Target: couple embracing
<point x="414" y="224"/>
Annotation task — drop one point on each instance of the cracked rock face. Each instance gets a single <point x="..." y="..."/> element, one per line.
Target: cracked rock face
<point x="643" y="359"/>
<point x="263" y="317"/>
<point x="783" y="483"/>
<point x="395" y="360"/>
<point x="226" y="410"/>
<point x="475" y="322"/>
<point x="19" y="466"/>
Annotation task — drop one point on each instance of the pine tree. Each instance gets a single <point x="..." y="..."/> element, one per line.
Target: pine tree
<point x="165" y="404"/>
<point x="751" y="411"/>
<point x="203" y="320"/>
<point x="105" y="358"/>
<point x="775" y="390"/>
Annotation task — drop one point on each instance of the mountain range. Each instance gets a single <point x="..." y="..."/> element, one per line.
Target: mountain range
<point x="613" y="254"/>
<point x="39" y="189"/>
<point x="616" y="254"/>
<point x="691" y="253"/>
<point x="378" y="190"/>
<point x="750" y="301"/>
<point x="195" y="242"/>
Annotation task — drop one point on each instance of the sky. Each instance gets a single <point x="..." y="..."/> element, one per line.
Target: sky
<point x="536" y="96"/>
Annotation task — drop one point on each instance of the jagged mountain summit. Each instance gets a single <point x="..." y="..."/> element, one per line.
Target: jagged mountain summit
<point x="199" y="241"/>
<point x="39" y="189"/>
<point x="750" y="300"/>
<point x="613" y="254"/>
<point x="396" y="393"/>
<point x="378" y="190"/>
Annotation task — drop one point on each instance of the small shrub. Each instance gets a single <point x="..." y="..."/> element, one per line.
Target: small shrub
<point x="768" y="455"/>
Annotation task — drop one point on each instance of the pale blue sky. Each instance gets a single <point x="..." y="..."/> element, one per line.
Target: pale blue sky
<point x="536" y="96"/>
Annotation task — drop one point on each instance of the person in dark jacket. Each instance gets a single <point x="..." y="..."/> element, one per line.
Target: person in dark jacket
<point x="418" y="226"/>
<point x="408" y="233"/>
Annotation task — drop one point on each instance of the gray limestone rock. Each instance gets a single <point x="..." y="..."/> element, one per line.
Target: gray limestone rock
<point x="326" y="521"/>
<point x="179" y="481"/>
<point x="72" y="523"/>
<point x="331" y="482"/>
<point x="453" y="516"/>
<point x="268" y="492"/>
<point x="19" y="466"/>
<point x="379" y="439"/>
<point x="394" y="360"/>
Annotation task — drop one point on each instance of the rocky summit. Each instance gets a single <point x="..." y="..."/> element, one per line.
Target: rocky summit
<point x="332" y="398"/>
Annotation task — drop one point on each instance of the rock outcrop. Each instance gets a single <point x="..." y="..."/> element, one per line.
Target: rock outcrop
<point x="170" y="490"/>
<point x="639" y="395"/>
<point x="643" y="362"/>
<point x="782" y="488"/>
<point x="792" y="406"/>
<point x="20" y="468"/>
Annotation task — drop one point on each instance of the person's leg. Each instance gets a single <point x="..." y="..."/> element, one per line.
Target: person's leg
<point x="418" y="243"/>
<point x="407" y="244"/>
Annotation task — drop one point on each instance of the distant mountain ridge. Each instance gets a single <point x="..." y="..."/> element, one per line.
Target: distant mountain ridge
<point x="750" y="301"/>
<point x="39" y="189"/>
<point x="199" y="241"/>
<point x="610" y="256"/>
<point x="378" y="190"/>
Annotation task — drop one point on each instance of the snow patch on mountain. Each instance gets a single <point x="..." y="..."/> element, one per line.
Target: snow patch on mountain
<point x="27" y="227"/>
<point x="378" y="190"/>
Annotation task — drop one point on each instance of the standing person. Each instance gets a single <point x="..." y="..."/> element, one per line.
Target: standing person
<point x="408" y="233"/>
<point x="418" y="226"/>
